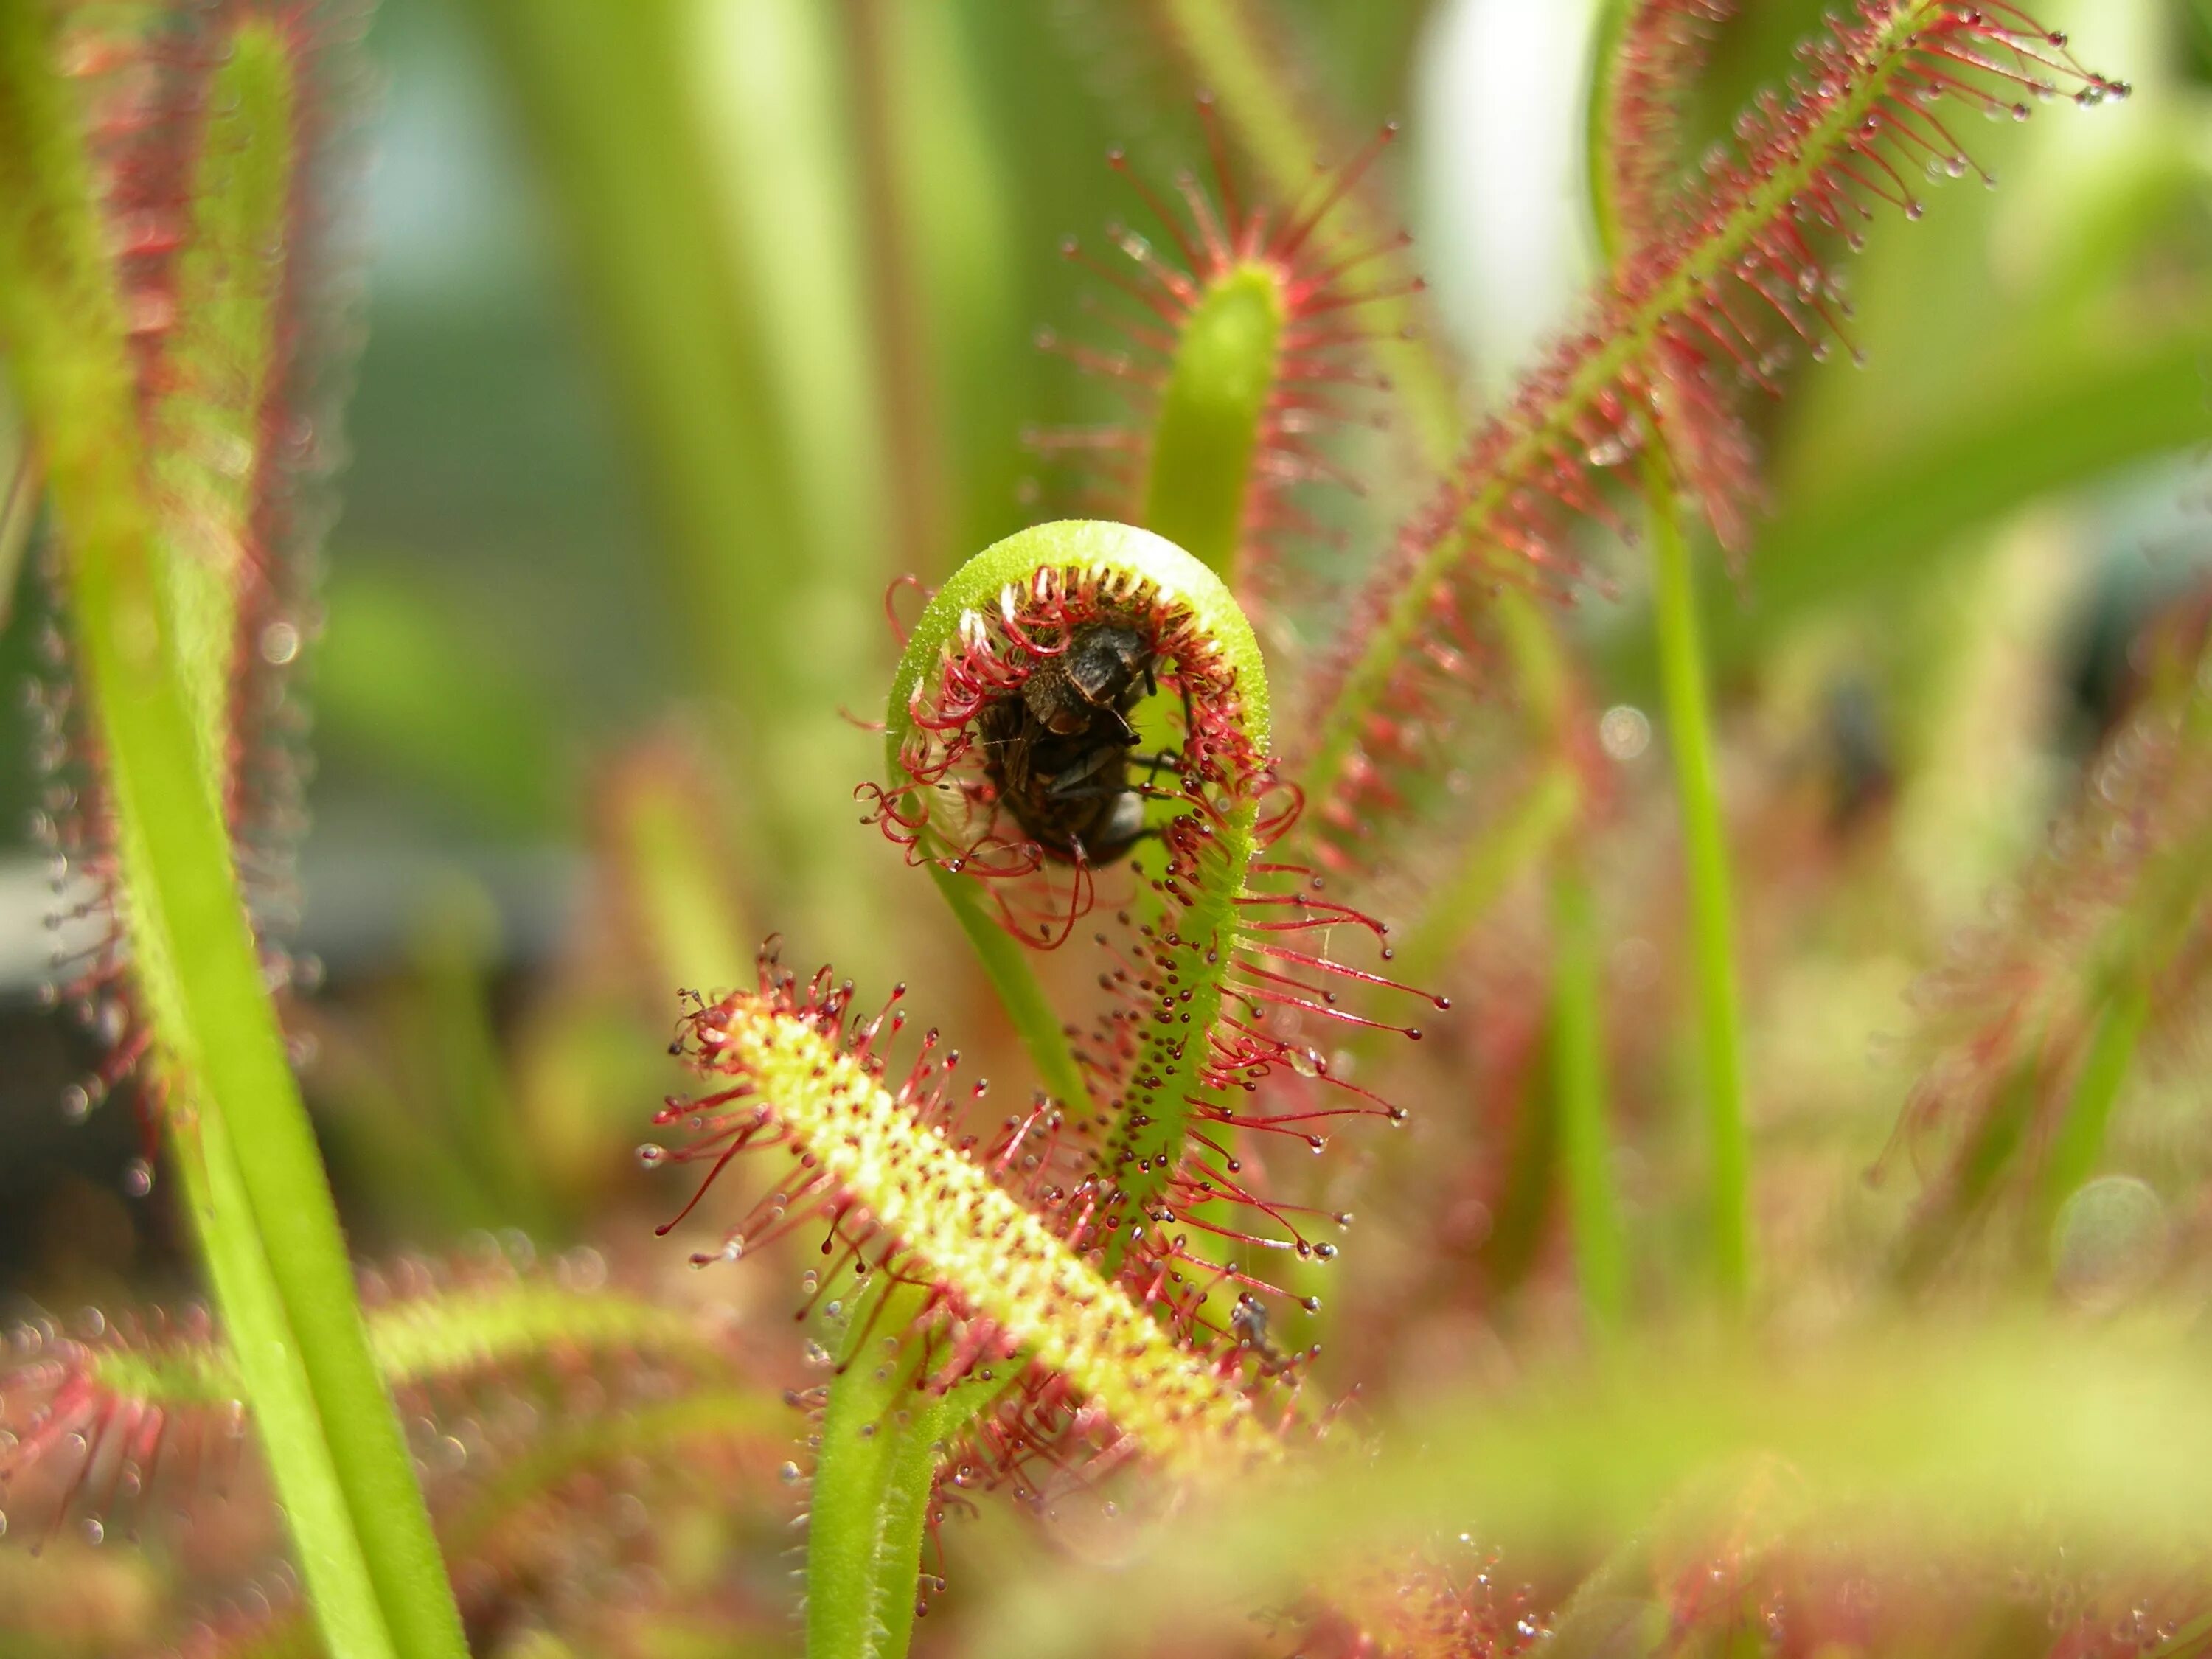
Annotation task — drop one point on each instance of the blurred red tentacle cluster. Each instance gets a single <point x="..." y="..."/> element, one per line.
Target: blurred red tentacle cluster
<point x="147" y="83"/>
<point x="1713" y="302"/>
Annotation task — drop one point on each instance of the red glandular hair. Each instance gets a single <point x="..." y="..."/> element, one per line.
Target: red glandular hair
<point x="1326" y="284"/>
<point x="138" y="1420"/>
<point x="1737" y="274"/>
<point x="2116" y="899"/>
<point x="1266" y="1081"/>
<point x="145" y="79"/>
<point x="1664" y="48"/>
<point x="76" y="1452"/>
<point x="1425" y="1607"/>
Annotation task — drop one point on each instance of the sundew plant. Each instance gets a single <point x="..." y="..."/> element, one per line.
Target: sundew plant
<point x="1057" y="915"/>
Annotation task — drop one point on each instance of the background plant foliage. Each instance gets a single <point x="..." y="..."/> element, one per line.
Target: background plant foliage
<point x="689" y="328"/>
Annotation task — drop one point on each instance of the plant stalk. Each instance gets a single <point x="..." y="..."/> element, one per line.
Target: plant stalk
<point x="882" y="1436"/>
<point x="1705" y="845"/>
<point x="2079" y="1139"/>
<point x="254" y="1181"/>
<point x="1577" y="1042"/>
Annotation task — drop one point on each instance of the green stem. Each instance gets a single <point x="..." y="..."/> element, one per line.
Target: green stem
<point x="2080" y="1137"/>
<point x="1117" y="553"/>
<point x="1712" y="921"/>
<point x="882" y="1438"/>
<point x="272" y="1375"/>
<point x="1579" y="1086"/>
<point x="254" y="1179"/>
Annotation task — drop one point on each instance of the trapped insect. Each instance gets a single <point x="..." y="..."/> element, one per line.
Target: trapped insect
<point x="1059" y="749"/>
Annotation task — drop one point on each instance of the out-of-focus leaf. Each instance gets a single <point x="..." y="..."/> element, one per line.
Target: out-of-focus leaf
<point x="2081" y="413"/>
<point x="20" y="491"/>
<point x="1849" y="535"/>
<point x="702" y="157"/>
<point x="402" y="678"/>
<point x="2107" y="1442"/>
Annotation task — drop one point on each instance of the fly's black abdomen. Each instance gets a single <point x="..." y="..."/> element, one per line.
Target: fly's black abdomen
<point x="1058" y="749"/>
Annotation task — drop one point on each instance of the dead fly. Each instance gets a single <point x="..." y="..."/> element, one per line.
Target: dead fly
<point x="1060" y="749"/>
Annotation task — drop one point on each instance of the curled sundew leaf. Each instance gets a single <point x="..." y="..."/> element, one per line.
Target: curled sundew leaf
<point x="1216" y="975"/>
<point x="1009" y="616"/>
<point x="1677" y="324"/>
<point x="1011" y="609"/>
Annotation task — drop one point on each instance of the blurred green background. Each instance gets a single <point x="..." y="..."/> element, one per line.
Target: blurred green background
<point x="690" y="327"/>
